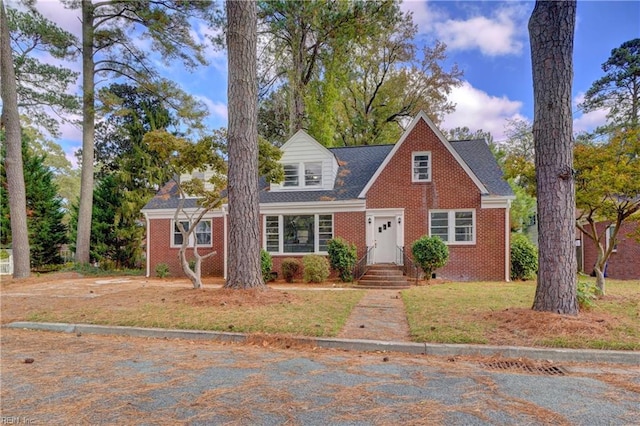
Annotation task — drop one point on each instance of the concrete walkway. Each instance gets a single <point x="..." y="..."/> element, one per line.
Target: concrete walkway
<point x="380" y="315"/>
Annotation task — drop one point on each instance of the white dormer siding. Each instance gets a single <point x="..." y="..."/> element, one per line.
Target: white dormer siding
<point x="203" y="176"/>
<point x="308" y="165"/>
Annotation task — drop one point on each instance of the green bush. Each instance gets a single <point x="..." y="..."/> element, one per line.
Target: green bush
<point x="266" y="264"/>
<point x="316" y="268"/>
<point x="162" y="270"/>
<point x="524" y="258"/>
<point x="586" y="293"/>
<point x="430" y="253"/>
<point x="290" y="268"/>
<point x="342" y="258"/>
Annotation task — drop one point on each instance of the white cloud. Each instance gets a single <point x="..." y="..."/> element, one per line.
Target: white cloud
<point x="218" y="109"/>
<point x="476" y="110"/>
<point x="501" y="33"/>
<point x="67" y="19"/>
<point x="589" y="121"/>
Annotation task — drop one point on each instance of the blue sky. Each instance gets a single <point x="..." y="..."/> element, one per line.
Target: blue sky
<point x="487" y="39"/>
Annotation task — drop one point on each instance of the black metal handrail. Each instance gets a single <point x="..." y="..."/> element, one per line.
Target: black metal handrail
<point x="362" y="265"/>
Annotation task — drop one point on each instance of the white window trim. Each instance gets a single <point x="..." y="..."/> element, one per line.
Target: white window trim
<point x="316" y="230"/>
<point x="192" y="237"/>
<point x="451" y="222"/>
<point x="413" y="164"/>
<point x="608" y="233"/>
<point x="302" y="183"/>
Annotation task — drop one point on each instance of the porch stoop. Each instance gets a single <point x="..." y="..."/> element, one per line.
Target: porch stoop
<point x="387" y="276"/>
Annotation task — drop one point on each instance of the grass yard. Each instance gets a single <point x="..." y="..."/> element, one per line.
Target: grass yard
<point x="499" y="313"/>
<point x="296" y="312"/>
<point x="482" y="312"/>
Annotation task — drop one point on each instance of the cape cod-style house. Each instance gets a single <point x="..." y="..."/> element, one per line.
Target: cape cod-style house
<point x="381" y="198"/>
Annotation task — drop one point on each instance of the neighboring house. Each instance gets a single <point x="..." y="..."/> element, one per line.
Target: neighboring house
<point x="381" y="197"/>
<point x="624" y="262"/>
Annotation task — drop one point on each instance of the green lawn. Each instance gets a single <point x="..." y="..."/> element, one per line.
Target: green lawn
<point x="494" y="313"/>
<point x="311" y="313"/>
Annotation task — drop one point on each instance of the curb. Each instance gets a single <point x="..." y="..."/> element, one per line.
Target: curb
<point x="547" y="354"/>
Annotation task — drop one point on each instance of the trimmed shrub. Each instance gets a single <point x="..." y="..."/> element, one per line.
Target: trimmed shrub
<point x="290" y="268"/>
<point x="430" y="253"/>
<point x="316" y="268"/>
<point x="524" y="258"/>
<point x="266" y="264"/>
<point x="342" y="258"/>
<point x="162" y="270"/>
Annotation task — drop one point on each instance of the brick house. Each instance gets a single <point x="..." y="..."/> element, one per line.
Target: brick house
<point x="624" y="262"/>
<point x="381" y="197"/>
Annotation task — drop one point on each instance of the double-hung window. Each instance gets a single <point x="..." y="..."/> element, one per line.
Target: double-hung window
<point x="202" y="234"/>
<point x="303" y="175"/>
<point x="421" y="162"/>
<point x="290" y="234"/>
<point x="291" y="175"/>
<point x="453" y="226"/>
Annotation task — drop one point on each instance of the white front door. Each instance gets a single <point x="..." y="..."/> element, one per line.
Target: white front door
<point x="385" y="239"/>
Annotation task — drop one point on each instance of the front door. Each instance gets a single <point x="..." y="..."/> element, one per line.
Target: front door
<point x="385" y="239"/>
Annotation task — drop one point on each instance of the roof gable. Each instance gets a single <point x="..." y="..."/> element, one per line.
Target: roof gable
<point x="422" y="116"/>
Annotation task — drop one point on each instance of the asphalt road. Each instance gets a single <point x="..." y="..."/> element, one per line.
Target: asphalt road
<point x="61" y="378"/>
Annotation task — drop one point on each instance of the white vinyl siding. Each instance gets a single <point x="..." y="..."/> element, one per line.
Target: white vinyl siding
<point x="421" y="162"/>
<point x="316" y="168"/>
<point x="202" y="235"/>
<point x="453" y="226"/>
<point x="294" y="234"/>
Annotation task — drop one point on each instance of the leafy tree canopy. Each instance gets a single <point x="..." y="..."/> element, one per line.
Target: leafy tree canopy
<point x="619" y="89"/>
<point x="42" y="87"/>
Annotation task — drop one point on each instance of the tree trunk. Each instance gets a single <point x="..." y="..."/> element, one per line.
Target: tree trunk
<point x="551" y="30"/>
<point x="10" y="120"/>
<point x="244" y="216"/>
<point x="83" y="236"/>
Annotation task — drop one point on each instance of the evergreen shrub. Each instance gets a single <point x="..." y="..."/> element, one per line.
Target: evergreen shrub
<point x="524" y="258"/>
<point x="342" y="257"/>
<point x="316" y="268"/>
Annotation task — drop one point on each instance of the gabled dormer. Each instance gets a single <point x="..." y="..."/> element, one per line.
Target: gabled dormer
<point x="308" y="166"/>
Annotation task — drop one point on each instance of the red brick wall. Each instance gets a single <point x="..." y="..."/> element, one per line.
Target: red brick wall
<point x="624" y="263"/>
<point x="450" y="188"/>
<point x="160" y="250"/>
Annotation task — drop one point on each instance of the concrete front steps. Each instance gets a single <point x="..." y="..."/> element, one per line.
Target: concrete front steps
<point x="383" y="276"/>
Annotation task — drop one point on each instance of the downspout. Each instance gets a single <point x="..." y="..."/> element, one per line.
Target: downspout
<point x="507" y="246"/>
<point x="224" y="216"/>
<point x="148" y="248"/>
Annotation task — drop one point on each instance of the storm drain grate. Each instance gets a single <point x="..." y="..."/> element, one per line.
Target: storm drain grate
<point x="546" y="369"/>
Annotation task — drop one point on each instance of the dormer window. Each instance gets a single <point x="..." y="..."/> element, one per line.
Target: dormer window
<point x="312" y="173"/>
<point x="291" y="175"/>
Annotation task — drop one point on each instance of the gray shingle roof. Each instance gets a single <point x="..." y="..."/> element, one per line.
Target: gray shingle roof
<point x="357" y="166"/>
<point x="480" y="159"/>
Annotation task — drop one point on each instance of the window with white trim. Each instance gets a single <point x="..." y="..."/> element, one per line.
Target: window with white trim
<point x="312" y="173"/>
<point x="421" y="162"/>
<point x="202" y="234"/>
<point x="290" y="234"/>
<point x="453" y="226"/>
<point x="609" y="237"/>
<point x="291" y="175"/>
